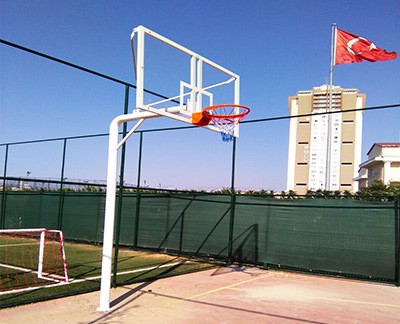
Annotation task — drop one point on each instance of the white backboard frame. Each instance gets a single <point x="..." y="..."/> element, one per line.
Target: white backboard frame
<point x="192" y="91"/>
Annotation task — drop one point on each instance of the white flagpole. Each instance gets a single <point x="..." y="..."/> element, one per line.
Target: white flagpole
<point x="329" y="134"/>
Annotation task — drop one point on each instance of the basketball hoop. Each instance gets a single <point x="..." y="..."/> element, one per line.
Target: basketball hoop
<point x="226" y="117"/>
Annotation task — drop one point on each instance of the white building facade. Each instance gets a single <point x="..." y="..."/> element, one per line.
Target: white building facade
<point x="383" y="164"/>
<point x="325" y="149"/>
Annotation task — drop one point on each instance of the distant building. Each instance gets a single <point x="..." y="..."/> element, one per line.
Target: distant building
<point x="383" y="164"/>
<point x="313" y="163"/>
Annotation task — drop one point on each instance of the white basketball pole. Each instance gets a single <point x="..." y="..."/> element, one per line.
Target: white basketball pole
<point x="109" y="216"/>
<point x="108" y="239"/>
<point x="141" y="113"/>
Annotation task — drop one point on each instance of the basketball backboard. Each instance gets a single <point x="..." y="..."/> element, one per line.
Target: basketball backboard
<point x="185" y="78"/>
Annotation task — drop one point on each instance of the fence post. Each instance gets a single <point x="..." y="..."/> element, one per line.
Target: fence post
<point x="233" y="203"/>
<point x="397" y="241"/>
<point x="138" y="197"/>
<point x="3" y="196"/>
<point x="61" y="201"/>
<point x="120" y="193"/>
<point x="181" y="230"/>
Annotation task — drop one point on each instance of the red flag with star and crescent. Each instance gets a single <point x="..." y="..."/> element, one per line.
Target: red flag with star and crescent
<point x="351" y="48"/>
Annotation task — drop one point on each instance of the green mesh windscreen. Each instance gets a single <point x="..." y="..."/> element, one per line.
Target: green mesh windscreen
<point x="351" y="237"/>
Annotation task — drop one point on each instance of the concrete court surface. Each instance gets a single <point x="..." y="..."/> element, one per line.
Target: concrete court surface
<point x="226" y="295"/>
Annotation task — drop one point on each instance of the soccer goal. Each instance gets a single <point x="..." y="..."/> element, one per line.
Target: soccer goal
<point x="31" y="259"/>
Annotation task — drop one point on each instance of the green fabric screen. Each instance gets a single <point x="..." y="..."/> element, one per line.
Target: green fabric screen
<point x="349" y="237"/>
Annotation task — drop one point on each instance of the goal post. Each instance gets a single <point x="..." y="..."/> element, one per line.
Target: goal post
<point x="31" y="259"/>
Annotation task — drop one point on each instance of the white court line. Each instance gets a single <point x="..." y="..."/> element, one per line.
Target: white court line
<point x="72" y="280"/>
<point x="131" y="271"/>
<point x="52" y="276"/>
<point x="18" y="244"/>
<point x="358" y="302"/>
<point x="32" y="288"/>
<point x="17" y="268"/>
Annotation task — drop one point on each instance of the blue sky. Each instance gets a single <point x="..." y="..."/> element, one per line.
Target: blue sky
<point x="277" y="47"/>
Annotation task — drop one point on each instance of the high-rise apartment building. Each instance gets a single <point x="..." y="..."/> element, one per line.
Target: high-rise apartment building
<point x="325" y="149"/>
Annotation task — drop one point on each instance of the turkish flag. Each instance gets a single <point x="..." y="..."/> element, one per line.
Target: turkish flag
<point x="352" y="48"/>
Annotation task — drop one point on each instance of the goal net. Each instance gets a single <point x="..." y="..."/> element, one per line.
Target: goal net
<point x="31" y="259"/>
